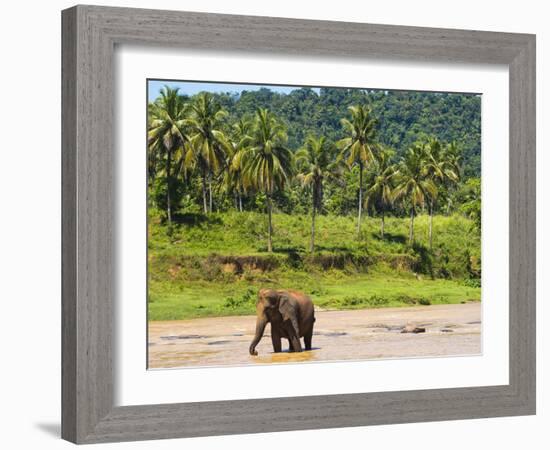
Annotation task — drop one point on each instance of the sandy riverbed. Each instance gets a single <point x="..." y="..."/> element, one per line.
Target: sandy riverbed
<point x="338" y="335"/>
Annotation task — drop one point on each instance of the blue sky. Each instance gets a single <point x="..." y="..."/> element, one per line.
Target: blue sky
<point x="192" y="87"/>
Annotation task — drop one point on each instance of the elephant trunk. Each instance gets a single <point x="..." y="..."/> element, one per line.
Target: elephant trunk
<point x="261" y="322"/>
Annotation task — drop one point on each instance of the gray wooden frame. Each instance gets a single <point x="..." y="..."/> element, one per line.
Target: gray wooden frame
<point x="89" y="36"/>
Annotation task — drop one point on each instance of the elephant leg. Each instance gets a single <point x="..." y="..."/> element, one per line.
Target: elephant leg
<point x="290" y="348"/>
<point x="276" y="340"/>
<point x="295" y="343"/>
<point x="307" y="339"/>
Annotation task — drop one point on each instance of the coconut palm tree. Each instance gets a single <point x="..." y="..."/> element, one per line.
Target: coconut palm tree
<point x="470" y="194"/>
<point x="453" y="157"/>
<point x="413" y="183"/>
<point x="208" y="144"/>
<point x="268" y="164"/>
<point x="317" y="159"/>
<point x="442" y="166"/>
<point x="166" y="135"/>
<point x="234" y="173"/>
<point x="380" y="192"/>
<point x="435" y="169"/>
<point x="359" y="146"/>
<point x="233" y="182"/>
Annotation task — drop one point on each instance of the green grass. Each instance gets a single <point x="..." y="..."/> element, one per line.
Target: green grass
<point x="328" y="292"/>
<point x="213" y="266"/>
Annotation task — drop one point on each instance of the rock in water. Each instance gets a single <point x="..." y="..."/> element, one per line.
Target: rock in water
<point x="413" y="329"/>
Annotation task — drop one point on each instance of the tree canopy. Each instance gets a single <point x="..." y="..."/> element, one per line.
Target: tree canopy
<point x="403" y="117"/>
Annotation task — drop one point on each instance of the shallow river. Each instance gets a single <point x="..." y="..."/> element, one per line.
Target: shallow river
<point x="338" y="335"/>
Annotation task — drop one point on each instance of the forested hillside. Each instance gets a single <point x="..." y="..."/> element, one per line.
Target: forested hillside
<point x="403" y="117"/>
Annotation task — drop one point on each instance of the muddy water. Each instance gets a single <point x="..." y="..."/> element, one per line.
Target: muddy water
<point x="338" y="335"/>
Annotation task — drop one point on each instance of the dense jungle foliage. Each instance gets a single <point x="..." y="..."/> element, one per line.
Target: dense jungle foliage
<point x="403" y="117"/>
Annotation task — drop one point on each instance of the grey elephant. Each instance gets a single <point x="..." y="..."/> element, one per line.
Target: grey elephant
<point x="291" y="314"/>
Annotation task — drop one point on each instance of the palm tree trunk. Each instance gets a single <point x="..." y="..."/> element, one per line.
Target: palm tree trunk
<point x="240" y="202"/>
<point x="382" y="226"/>
<point x="168" y="187"/>
<point x="269" y="226"/>
<point x="430" y="224"/>
<point x="360" y="199"/>
<point x="411" y="227"/>
<point x="204" y="207"/>
<point x="312" y="244"/>
<point x="210" y="192"/>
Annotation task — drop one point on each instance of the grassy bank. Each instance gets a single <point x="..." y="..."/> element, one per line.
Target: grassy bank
<point x="211" y="266"/>
<point x="366" y="291"/>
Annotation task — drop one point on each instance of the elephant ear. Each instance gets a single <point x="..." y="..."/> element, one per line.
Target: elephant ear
<point x="286" y="308"/>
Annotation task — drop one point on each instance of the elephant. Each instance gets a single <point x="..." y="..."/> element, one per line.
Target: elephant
<point x="291" y="314"/>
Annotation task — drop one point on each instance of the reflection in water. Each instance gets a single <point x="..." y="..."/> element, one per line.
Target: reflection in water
<point x="284" y="357"/>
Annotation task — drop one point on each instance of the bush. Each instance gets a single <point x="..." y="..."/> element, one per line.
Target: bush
<point x="472" y="282"/>
<point x="356" y="301"/>
<point x="247" y="299"/>
<point x="413" y="300"/>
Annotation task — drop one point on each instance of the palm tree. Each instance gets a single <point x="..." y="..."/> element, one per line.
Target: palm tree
<point x="435" y="167"/>
<point x="359" y="147"/>
<point x="233" y="182"/>
<point x="380" y="192"/>
<point x="318" y="160"/>
<point x="452" y="154"/>
<point x="166" y="134"/>
<point x="413" y="184"/>
<point x="241" y="145"/>
<point x="470" y="194"/>
<point x="267" y="165"/>
<point x="208" y="143"/>
<point x="442" y="166"/>
<point x="453" y="158"/>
